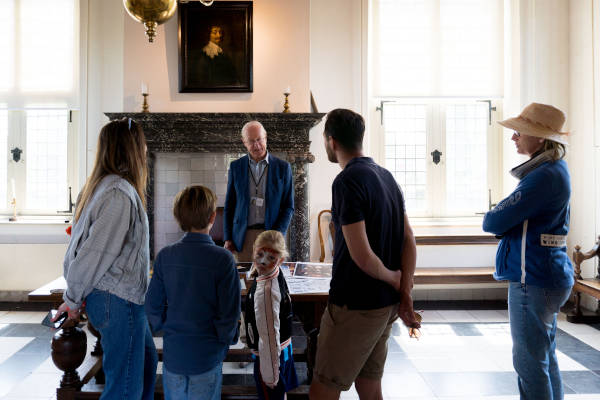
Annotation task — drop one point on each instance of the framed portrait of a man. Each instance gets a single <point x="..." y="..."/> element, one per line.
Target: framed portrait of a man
<point x="215" y="47"/>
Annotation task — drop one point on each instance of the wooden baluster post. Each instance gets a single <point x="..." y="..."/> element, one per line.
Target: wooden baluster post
<point x="69" y="346"/>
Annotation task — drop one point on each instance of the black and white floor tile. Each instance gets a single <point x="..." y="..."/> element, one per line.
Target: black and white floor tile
<point x="462" y="355"/>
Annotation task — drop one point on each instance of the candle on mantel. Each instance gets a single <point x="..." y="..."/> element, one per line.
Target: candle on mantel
<point x="287" y="90"/>
<point x="144" y="88"/>
<point x="14" y="193"/>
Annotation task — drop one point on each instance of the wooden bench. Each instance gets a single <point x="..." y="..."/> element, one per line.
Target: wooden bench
<point x="589" y="286"/>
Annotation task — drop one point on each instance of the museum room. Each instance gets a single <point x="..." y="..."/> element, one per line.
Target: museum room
<point x="197" y="196"/>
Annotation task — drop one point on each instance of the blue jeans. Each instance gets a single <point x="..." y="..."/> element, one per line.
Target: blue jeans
<point x="532" y="311"/>
<point x="129" y="360"/>
<point x="204" y="386"/>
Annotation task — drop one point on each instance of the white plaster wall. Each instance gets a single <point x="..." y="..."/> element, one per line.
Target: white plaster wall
<point x="336" y="74"/>
<point x="281" y="59"/>
<point x="25" y="267"/>
<point x="105" y="62"/>
<point x="545" y="52"/>
<point x="536" y="64"/>
<point x="584" y="151"/>
<point x="581" y="125"/>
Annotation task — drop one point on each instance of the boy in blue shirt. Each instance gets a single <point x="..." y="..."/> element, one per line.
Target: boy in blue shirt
<point x="194" y="297"/>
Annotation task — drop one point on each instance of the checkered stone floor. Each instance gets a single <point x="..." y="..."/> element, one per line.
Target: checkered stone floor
<point x="462" y="355"/>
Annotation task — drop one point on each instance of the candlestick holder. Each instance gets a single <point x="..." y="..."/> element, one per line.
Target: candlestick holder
<point x="14" y="216"/>
<point x="286" y="104"/>
<point x="145" y="106"/>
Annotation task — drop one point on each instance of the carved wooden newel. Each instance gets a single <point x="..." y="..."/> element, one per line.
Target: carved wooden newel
<point x="69" y="346"/>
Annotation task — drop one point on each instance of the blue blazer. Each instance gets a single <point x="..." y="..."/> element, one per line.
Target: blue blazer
<point x="279" y="199"/>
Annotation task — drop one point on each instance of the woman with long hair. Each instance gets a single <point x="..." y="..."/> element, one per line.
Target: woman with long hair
<point x="532" y="255"/>
<point x="107" y="262"/>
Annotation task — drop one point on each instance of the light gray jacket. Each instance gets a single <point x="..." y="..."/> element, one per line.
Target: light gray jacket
<point x="109" y="247"/>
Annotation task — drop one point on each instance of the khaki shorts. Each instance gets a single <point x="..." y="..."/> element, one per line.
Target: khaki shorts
<point x="351" y="344"/>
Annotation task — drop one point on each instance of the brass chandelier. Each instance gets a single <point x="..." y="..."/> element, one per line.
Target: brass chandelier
<point x="152" y="13"/>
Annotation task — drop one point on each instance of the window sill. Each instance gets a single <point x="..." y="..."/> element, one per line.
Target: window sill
<point x="476" y="220"/>
<point x="34" y="230"/>
<point x="451" y="231"/>
<point x="38" y="219"/>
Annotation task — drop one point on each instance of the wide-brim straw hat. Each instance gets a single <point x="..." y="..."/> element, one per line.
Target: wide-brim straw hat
<point x="539" y="120"/>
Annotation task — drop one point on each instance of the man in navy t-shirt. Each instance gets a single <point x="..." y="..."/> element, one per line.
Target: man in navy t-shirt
<point x="373" y="267"/>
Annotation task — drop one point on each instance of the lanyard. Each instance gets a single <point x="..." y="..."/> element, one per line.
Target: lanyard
<point x="256" y="184"/>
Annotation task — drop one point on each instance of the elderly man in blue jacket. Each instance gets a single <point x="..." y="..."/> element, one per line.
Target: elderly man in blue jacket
<point x="260" y="194"/>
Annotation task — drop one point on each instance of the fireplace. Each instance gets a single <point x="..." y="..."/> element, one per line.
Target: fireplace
<point x="196" y="148"/>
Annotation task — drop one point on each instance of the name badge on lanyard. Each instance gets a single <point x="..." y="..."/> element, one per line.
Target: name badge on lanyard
<point x="257" y="201"/>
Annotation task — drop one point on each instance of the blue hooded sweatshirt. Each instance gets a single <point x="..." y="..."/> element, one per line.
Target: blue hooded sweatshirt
<point x="533" y="223"/>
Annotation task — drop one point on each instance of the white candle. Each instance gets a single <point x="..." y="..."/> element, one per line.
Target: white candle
<point x="144" y="88"/>
<point x="14" y="193"/>
<point x="288" y="90"/>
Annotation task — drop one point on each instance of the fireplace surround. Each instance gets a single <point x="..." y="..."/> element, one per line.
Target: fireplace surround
<point x="287" y="133"/>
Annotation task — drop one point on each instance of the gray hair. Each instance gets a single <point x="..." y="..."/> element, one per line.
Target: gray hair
<point x="247" y="125"/>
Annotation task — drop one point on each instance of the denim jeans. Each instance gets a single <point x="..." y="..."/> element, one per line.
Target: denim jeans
<point x="532" y="311"/>
<point x="204" y="386"/>
<point x="129" y="359"/>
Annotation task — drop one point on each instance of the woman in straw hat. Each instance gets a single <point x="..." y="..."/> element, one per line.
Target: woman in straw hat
<point x="533" y="223"/>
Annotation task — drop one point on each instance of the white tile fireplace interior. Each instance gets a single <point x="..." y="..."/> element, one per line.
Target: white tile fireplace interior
<point x="175" y="171"/>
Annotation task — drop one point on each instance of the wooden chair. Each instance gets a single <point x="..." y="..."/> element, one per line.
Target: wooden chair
<point x="590" y="286"/>
<point x="331" y="234"/>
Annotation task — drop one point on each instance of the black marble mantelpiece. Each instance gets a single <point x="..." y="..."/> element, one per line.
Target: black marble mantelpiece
<point x="221" y="133"/>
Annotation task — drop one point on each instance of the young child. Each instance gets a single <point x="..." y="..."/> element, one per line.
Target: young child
<point x="194" y="297"/>
<point x="269" y="320"/>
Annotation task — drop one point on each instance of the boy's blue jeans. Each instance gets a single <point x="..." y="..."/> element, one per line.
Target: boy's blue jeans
<point x="532" y="312"/>
<point x="130" y="358"/>
<point x="204" y="386"/>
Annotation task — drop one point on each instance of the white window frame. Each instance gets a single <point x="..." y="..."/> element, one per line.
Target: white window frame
<point x="17" y="137"/>
<point x="436" y="139"/>
<point x="17" y="129"/>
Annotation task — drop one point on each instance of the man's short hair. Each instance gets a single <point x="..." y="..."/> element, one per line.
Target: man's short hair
<point x="253" y="123"/>
<point x="193" y="207"/>
<point x="346" y="127"/>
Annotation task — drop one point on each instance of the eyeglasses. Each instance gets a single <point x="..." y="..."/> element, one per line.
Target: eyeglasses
<point x="259" y="140"/>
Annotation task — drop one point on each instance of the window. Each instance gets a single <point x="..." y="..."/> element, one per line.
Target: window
<point x="39" y="85"/>
<point x="435" y="78"/>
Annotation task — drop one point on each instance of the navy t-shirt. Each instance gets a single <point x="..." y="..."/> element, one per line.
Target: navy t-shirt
<point x="364" y="191"/>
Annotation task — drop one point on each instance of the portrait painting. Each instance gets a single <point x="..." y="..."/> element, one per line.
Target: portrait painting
<point x="215" y="47"/>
